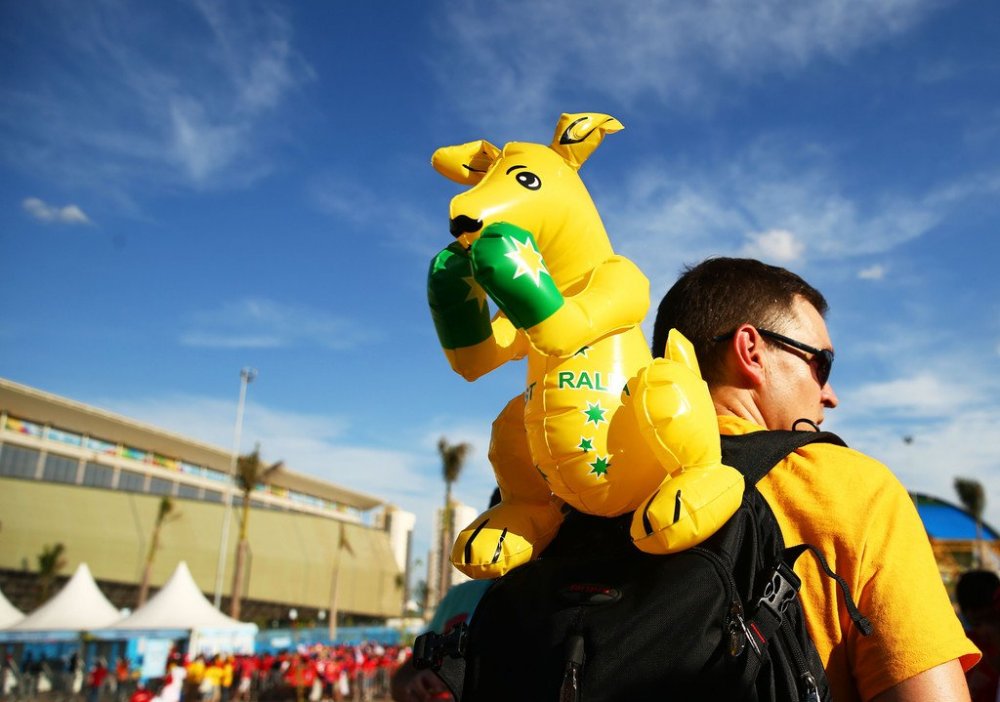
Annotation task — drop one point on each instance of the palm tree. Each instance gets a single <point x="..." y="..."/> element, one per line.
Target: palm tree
<point x="250" y="472"/>
<point x="50" y="562"/>
<point x="164" y="511"/>
<point x="973" y="498"/>
<point x="452" y="461"/>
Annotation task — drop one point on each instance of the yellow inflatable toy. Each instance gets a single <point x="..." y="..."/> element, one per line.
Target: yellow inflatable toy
<point x="599" y="426"/>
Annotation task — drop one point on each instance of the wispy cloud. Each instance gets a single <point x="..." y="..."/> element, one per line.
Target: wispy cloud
<point x="874" y="272"/>
<point x="524" y="57"/>
<point x="924" y="395"/>
<point x="770" y="202"/>
<point x="44" y="212"/>
<point x="150" y="114"/>
<point x="344" y="198"/>
<point x="778" y="245"/>
<point x="261" y="323"/>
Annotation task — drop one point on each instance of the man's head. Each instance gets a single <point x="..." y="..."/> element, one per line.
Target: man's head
<point x="976" y="593"/>
<point x="735" y="312"/>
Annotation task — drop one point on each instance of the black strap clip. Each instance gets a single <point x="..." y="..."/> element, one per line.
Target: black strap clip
<point x="430" y="649"/>
<point x="780" y="592"/>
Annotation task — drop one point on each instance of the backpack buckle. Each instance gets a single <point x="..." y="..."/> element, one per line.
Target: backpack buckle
<point x="780" y="592"/>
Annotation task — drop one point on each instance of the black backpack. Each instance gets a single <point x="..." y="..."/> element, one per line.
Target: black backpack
<point x="596" y="620"/>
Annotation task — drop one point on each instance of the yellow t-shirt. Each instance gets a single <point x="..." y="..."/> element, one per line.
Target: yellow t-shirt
<point x="195" y="670"/>
<point x="855" y="511"/>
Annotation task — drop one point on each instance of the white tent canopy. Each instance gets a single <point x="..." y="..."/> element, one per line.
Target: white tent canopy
<point x="9" y="614"/>
<point x="180" y="605"/>
<point x="79" y="606"/>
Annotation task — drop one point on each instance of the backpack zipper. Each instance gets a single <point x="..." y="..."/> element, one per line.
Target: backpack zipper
<point x="569" y="691"/>
<point x="810" y="690"/>
<point x="739" y="633"/>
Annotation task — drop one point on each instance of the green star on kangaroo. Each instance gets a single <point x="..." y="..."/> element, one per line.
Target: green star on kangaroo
<point x="595" y="413"/>
<point x="601" y="465"/>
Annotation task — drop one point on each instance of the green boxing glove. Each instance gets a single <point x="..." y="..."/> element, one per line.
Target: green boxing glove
<point x="507" y="263"/>
<point x="458" y="304"/>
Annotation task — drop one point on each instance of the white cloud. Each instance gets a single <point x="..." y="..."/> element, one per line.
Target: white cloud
<point x="922" y="395"/>
<point x="776" y="245"/>
<point x="261" y="323"/>
<point x="207" y="116"/>
<point x="200" y="148"/>
<point x="525" y="56"/>
<point x="42" y="211"/>
<point x="768" y="202"/>
<point x="344" y="198"/>
<point x="874" y="272"/>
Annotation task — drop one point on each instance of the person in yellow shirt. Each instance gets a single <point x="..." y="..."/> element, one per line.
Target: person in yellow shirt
<point x="764" y="349"/>
<point x="211" y="682"/>
<point x="195" y="674"/>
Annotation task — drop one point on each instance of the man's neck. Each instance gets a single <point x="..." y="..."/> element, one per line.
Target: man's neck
<point x="737" y="402"/>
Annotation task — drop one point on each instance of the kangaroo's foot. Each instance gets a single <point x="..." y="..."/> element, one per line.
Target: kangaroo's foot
<point x="687" y="508"/>
<point x="502" y="538"/>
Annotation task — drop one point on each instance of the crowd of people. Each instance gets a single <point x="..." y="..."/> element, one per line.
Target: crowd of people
<point x="340" y="673"/>
<point x="343" y="672"/>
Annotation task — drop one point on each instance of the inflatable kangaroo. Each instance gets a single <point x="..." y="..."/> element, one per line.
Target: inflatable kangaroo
<point x="600" y="425"/>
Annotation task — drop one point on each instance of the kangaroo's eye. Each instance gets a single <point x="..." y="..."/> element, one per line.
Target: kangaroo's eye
<point x="529" y="180"/>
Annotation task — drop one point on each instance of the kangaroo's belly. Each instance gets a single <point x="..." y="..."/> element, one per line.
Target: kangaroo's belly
<point x="581" y="429"/>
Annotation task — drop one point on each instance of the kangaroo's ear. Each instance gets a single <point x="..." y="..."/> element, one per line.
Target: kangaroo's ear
<point x="465" y="163"/>
<point x="681" y="350"/>
<point x="577" y="135"/>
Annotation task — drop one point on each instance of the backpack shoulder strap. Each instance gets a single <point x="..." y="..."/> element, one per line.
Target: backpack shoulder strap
<point x="756" y="453"/>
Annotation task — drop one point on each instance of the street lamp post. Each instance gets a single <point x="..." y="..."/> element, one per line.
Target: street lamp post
<point x="247" y="376"/>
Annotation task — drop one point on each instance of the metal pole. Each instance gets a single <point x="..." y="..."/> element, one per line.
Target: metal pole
<point x="246" y="377"/>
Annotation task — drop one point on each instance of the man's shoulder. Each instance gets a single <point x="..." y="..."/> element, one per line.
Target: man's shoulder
<point x="822" y="453"/>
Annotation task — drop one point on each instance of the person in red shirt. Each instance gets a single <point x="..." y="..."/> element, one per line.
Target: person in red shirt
<point x="141" y="694"/>
<point x="98" y="674"/>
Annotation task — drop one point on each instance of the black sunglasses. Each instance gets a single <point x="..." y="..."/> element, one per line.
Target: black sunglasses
<point x="823" y="358"/>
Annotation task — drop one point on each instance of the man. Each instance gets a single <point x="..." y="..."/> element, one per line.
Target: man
<point x="978" y="595"/>
<point x="765" y="352"/>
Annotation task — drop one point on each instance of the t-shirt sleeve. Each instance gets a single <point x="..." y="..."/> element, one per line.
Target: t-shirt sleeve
<point x="900" y="590"/>
<point x="457" y="605"/>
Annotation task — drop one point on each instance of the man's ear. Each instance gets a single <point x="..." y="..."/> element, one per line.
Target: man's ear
<point x="748" y="356"/>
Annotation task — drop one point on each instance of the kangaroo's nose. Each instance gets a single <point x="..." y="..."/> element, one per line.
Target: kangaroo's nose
<point x="461" y="225"/>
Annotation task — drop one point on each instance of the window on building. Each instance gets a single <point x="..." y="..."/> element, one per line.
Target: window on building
<point x="187" y="492"/>
<point x="218" y="476"/>
<point x="159" y="486"/>
<point x="65" y="437"/>
<point x="96" y="475"/>
<point x="60" y="469"/>
<point x="18" y="462"/>
<point x="131" y="482"/>
<point x="213" y="496"/>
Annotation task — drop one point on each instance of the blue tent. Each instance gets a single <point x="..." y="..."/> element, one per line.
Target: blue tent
<point x="947" y="522"/>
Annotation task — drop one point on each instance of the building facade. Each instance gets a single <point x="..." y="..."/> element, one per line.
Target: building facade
<point x="94" y="481"/>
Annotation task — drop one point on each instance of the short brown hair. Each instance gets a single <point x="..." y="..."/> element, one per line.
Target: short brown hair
<point x="718" y="295"/>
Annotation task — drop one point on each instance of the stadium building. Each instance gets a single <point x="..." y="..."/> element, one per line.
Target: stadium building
<point x="94" y="481"/>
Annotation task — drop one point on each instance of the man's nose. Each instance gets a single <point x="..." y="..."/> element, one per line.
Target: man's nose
<point x="829" y="397"/>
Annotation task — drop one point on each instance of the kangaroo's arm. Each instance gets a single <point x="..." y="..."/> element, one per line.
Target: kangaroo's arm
<point x="506" y="343"/>
<point x="614" y="296"/>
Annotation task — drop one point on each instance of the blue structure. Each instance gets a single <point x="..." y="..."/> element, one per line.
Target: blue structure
<point x="947" y="522"/>
<point x="277" y="640"/>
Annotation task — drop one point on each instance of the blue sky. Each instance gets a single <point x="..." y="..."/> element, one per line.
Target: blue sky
<point x="191" y="187"/>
